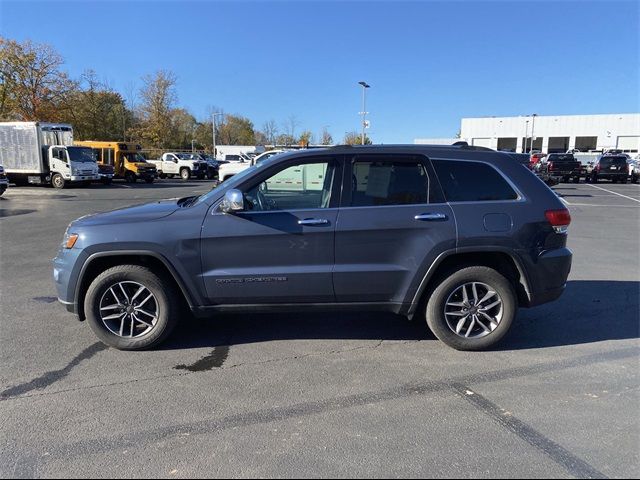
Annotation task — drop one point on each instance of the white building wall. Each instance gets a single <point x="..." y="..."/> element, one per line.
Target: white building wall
<point x="612" y="130"/>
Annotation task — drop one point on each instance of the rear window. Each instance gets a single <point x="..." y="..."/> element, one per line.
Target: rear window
<point x="472" y="182"/>
<point x="561" y="158"/>
<point x="607" y="161"/>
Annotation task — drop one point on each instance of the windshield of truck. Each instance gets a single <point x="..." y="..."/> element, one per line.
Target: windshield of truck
<point x="134" y="157"/>
<point x="81" y="154"/>
<point x="185" y="156"/>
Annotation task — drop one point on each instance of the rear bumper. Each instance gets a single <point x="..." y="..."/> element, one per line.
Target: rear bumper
<point x="548" y="275"/>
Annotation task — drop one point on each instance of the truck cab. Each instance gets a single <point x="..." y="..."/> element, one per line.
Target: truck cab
<point x="182" y="164"/>
<point x="71" y="164"/>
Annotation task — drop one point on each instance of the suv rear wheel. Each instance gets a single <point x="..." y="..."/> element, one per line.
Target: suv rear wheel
<point x="129" y="307"/>
<point x="472" y="309"/>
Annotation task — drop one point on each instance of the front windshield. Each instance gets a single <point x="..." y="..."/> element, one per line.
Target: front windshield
<point x="81" y="154"/>
<point x="134" y="157"/>
<point x="186" y="156"/>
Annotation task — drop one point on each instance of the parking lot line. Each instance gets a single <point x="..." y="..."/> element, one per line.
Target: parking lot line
<point x="615" y="193"/>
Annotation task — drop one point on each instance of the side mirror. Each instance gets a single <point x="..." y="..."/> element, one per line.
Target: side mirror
<point x="233" y="201"/>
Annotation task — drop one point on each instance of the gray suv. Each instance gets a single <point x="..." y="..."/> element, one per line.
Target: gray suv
<point x="460" y="236"/>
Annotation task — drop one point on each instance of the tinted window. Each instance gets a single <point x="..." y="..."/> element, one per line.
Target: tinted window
<point x="471" y="182"/>
<point x="607" y="161"/>
<point x="388" y="183"/>
<point x="561" y="158"/>
<point x="304" y="186"/>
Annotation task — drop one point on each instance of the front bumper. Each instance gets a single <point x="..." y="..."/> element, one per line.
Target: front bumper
<point x="80" y="178"/>
<point x="66" y="267"/>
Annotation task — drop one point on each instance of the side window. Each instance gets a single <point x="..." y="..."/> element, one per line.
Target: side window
<point x="302" y="186"/>
<point x="109" y="156"/>
<point x="59" y="154"/>
<point x="472" y="182"/>
<point x="97" y="153"/>
<point x="388" y="182"/>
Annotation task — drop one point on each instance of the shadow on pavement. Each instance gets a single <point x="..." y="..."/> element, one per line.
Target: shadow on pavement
<point x="588" y="312"/>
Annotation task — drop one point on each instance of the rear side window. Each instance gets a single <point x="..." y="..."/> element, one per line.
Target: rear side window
<point x="388" y="182"/>
<point x="472" y="182"/>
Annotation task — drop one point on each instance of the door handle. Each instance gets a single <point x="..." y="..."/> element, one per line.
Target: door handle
<point x="431" y="217"/>
<point x="313" y="221"/>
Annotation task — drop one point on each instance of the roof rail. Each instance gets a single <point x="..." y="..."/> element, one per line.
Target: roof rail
<point x="466" y="146"/>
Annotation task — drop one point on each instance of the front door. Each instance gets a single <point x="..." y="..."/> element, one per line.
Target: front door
<point x="280" y="249"/>
<point x="392" y="225"/>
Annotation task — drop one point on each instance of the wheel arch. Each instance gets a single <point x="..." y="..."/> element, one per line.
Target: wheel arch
<point x="99" y="262"/>
<point x="500" y="259"/>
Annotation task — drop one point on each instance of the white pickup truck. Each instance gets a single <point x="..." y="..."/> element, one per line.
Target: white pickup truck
<point x="181" y="164"/>
<point x="228" y="170"/>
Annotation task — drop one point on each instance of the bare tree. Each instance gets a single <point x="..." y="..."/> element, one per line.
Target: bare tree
<point x="270" y="130"/>
<point x="290" y="125"/>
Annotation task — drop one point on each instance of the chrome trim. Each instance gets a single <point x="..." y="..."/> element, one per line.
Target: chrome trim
<point x="430" y="217"/>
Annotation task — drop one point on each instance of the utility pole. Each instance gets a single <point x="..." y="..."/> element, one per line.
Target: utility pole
<point x="364" y="112"/>
<point x="213" y="127"/>
<point x="533" y="122"/>
<point x="526" y="133"/>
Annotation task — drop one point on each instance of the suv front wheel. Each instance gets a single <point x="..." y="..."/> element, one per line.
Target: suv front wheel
<point x="129" y="307"/>
<point x="472" y="309"/>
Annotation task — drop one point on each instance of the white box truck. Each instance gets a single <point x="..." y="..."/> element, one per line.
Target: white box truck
<point x="43" y="153"/>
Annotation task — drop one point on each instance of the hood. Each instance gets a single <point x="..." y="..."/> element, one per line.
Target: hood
<point x="144" y="165"/>
<point x="138" y="213"/>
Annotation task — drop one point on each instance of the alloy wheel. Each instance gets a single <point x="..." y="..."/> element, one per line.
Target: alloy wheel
<point x="473" y="310"/>
<point x="128" y="309"/>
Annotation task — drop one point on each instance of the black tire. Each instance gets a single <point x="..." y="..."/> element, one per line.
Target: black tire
<point x="576" y="180"/>
<point x="107" y="181"/>
<point x="566" y="179"/>
<point x="201" y="176"/>
<point x="624" y="180"/>
<point x="594" y="179"/>
<point x="161" y="175"/>
<point x="165" y="296"/>
<point x="149" y="179"/>
<point x="185" y="174"/>
<point x="634" y="178"/>
<point x="435" y="311"/>
<point x="57" y="181"/>
<point x="2" y="190"/>
<point x="130" y="177"/>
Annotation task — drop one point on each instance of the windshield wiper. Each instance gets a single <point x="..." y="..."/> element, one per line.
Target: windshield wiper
<point x="187" y="201"/>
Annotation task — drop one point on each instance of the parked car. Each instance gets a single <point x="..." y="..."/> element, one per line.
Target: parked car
<point x="180" y="164"/>
<point x="536" y="158"/>
<point x="230" y="169"/>
<point x="612" y="167"/>
<point x="106" y="173"/>
<point x="634" y="170"/>
<point x="459" y="236"/>
<point x="561" y="167"/>
<point x="213" y="165"/>
<point x="4" y="183"/>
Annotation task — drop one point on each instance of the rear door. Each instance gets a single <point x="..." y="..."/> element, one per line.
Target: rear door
<point x="392" y="225"/>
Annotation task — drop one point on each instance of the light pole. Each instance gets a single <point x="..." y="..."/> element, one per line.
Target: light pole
<point x="213" y="127"/>
<point x="526" y="132"/>
<point x="364" y="107"/>
<point x="533" y="122"/>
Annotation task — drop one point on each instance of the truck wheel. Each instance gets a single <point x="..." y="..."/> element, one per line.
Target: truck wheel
<point x="129" y="307"/>
<point x="201" y="176"/>
<point x="161" y="175"/>
<point x="2" y="190"/>
<point x="472" y="309"/>
<point x="130" y="177"/>
<point x="149" y="179"/>
<point x="576" y="180"/>
<point x="57" y="181"/>
<point x="185" y="174"/>
<point x="107" y="181"/>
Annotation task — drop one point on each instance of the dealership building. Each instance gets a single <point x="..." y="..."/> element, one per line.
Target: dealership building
<point x="549" y="134"/>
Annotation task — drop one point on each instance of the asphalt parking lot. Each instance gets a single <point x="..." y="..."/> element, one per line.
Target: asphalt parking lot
<point x="330" y="395"/>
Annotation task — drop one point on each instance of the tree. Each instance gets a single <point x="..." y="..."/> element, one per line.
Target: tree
<point x="95" y="110"/>
<point x="235" y="130"/>
<point x="32" y="85"/>
<point x="183" y="128"/>
<point x="270" y="130"/>
<point x="305" y="138"/>
<point x="326" y="138"/>
<point x="290" y="125"/>
<point x="355" y="138"/>
<point x="158" y="97"/>
<point x="285" y="139"/>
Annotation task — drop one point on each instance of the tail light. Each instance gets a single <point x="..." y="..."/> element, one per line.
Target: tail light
<point x="597" y="168"/>
<point x="550" y="166"/>
<point x="559" y="219"/>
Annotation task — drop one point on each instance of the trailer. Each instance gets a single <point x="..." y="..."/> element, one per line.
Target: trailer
<point x="43" y="153"/>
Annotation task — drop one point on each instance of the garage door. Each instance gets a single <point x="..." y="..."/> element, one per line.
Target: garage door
<point x="629" y="143"/>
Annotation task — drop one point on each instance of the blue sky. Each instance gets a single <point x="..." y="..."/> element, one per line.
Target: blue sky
<point x="428" y="63"/>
